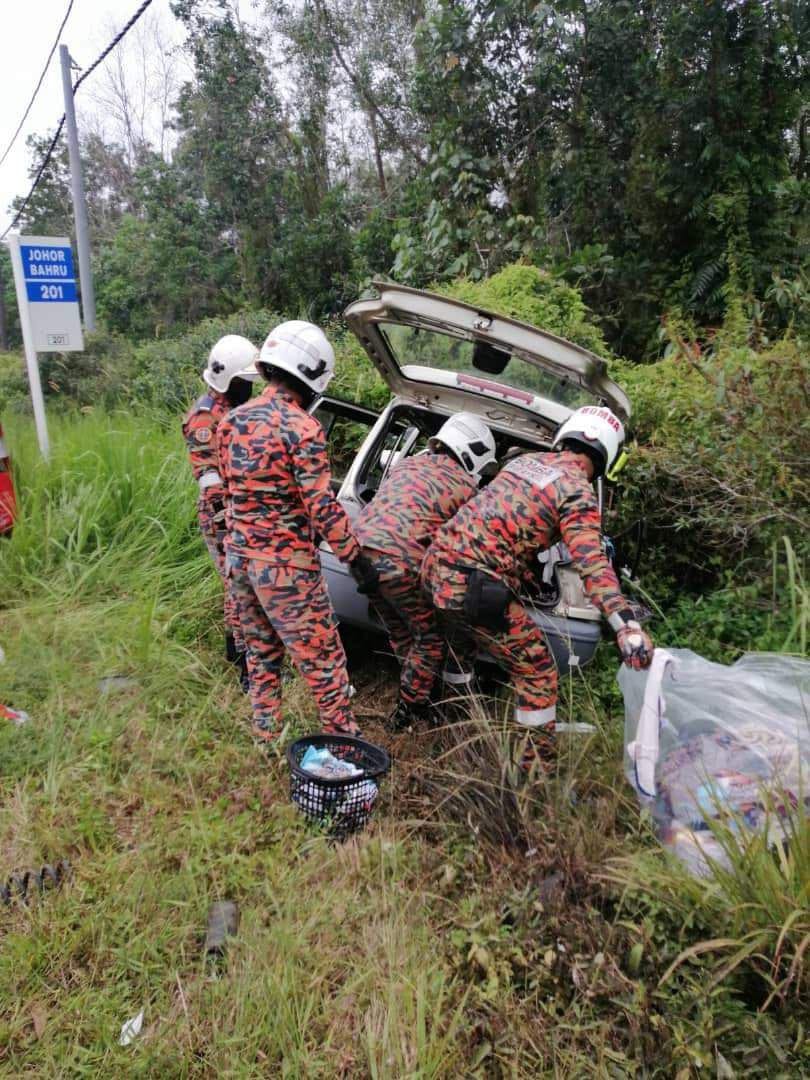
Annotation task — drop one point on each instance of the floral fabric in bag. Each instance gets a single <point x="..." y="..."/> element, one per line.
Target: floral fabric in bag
<point x="706" y="742"/>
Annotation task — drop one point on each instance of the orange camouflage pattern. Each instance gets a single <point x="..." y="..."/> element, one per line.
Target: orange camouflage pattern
<point x="536" y="500"/>
<point x="520" y="648"/>
<point x="395" y="529"/>
<point x="286" y="608"/>
<point x="533" y="502"/>
<point x="279" y="503"/>
<point x="276" y="473"/>
<point x="200" y="429"/>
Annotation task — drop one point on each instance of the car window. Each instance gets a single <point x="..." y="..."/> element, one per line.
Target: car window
<point x="346" y="426"/>
<point x="416" y="347"/>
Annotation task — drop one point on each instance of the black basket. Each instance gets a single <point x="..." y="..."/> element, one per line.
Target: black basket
<point x="341" y="806"/>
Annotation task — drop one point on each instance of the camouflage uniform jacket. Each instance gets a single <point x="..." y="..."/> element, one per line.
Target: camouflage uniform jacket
<point x="200" y="430"/>
<point x="278" y="483"/>
<point x="418" y="496"/>
<point x="533" y="502"/>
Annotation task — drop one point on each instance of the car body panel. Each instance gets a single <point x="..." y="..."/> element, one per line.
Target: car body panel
<point x="572" y="375"/>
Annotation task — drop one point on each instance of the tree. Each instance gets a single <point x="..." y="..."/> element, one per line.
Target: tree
<point x="612" y="128"/>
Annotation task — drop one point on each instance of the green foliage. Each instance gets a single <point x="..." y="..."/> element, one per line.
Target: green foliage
<point x="534" y="296"/>
<point x="113" y="501"/>
<point x="163" y="376"/>
<point x="654" y="155"/>
<point x="624" y="125"/>
<point x="720" y="470"/>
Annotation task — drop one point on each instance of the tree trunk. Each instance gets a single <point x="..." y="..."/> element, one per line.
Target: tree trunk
<point x="375" y="139"/>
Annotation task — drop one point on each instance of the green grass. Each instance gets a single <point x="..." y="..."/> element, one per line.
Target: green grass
<point x="482" y="927"/>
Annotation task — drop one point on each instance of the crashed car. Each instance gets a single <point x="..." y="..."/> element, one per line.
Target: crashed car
<point x="440" y="356"/>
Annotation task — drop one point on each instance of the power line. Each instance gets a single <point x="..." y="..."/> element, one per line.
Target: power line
<point x="44" y="165"/>
<point x="49" y="152"/>
<point x="122" y="33"/>
<point x="39" y="84"/>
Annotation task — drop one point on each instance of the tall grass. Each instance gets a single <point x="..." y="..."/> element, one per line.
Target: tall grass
<point x="112" y="511"/>
<point x="474" y="931"/>
<point x="796" y="590"/>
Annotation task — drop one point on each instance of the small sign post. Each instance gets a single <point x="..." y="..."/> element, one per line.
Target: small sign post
<point x="49" y="309"/>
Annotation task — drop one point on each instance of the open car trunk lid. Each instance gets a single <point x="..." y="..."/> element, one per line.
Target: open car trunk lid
<point x="435" y="350"/>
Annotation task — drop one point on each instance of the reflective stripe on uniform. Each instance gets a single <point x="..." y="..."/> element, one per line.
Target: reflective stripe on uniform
<point x="535" y="718"/>
<point x="457" y="678"/>
<point x="211" y="478"/>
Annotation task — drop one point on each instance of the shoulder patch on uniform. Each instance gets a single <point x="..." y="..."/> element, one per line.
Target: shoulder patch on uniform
<point x="536" y="472"/>
<point x="203" y="435"/>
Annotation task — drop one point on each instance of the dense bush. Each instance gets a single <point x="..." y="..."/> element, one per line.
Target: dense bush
<point x="164" y="374"/>
<point x="534" y="296"/>
<point x="721" y="468"/>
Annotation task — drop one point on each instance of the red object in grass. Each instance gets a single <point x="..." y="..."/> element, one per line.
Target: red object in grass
<point x="8" y="502"/>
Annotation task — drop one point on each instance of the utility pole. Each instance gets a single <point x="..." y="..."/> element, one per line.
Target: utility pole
<point x="79" y="200"/>
<point x="3" y="317"/>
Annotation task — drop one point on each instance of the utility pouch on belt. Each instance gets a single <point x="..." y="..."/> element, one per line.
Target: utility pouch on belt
<point x="486" y="600"/>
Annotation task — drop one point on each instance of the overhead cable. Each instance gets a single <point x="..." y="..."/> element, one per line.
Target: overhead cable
<point x="121" y="34"/>
<point x="49" y="152"/>
<point x="39" y="83"/>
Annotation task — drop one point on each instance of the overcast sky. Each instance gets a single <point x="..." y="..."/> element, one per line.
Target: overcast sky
<point x="27" y="30"/>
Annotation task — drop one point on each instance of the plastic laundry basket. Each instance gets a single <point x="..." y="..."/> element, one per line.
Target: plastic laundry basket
<point x="341" y="806"/>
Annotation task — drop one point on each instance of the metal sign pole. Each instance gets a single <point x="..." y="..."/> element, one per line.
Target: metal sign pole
<point x="31" y="360"/>
<point x="79" y="201"/>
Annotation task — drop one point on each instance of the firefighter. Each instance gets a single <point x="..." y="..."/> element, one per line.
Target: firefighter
<point x="478" y="561"/>
<point x="395" y="530"/>
<point x="279" y="504"/>
<point x="229" y="373"/>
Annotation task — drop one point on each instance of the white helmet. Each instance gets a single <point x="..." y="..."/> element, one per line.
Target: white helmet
<point x="594" y="428"/>
<point x="469" y="438"/>
<point x="232" y="356"/>
<point x="301" y="349"/>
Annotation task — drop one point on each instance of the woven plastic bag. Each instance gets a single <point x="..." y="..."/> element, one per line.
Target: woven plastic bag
<point x="708" y="743"/>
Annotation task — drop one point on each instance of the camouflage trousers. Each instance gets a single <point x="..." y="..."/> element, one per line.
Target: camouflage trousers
<point x="214" y="535"/>
<point x="284" y="608"/>
<point x="410" y="621"/>
<point x="520" y="648"/>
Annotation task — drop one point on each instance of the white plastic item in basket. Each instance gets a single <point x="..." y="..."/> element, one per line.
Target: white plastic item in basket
<point x="707" y="742"/>
<point x="354" y="800"/>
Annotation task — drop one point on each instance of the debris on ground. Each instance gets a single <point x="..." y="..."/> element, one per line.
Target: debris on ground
<point x="16" y="716"/>
<point x="114" y="684"/>
<point x="223" y="923"/>
<point x="20" y="884"/>
<point x="131" y="1029"/>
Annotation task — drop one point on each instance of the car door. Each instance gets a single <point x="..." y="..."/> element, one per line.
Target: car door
<point x="347" y="426"/>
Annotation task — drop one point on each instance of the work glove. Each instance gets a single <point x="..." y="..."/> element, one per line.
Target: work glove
<point x="635" y="645"/>
<point x="365" y="574"/>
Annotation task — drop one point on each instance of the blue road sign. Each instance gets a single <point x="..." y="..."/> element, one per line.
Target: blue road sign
<point x="51" y="292"/>
<point x="49" y="274"/>
<point x="47" y="295"/>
